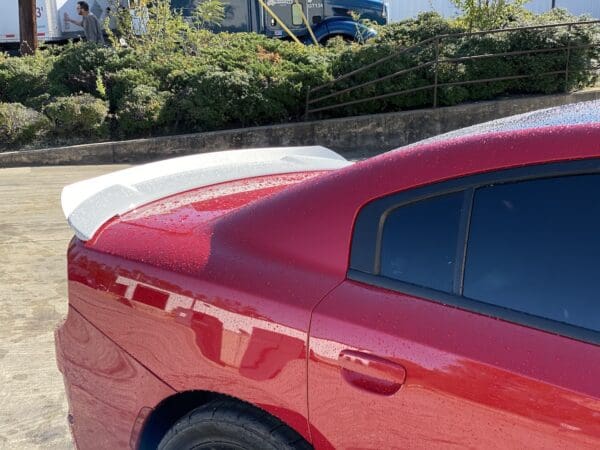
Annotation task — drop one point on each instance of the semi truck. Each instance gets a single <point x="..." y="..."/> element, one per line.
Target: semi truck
<point x="304" y="20"/>
<point x="308" y="20"/>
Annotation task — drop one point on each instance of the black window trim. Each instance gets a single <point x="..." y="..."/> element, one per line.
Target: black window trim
<point x="368" y="231"/>
<point x="464" y="229"/>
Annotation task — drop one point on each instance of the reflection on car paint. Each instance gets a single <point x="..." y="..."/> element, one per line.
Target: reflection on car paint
<point x="225" y="337"/>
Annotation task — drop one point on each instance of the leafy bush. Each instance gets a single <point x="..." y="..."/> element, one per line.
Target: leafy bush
<point x="80" y="115"/>
<point x="209" y="98"/>
<point x="79" y="66"/>
<point x="160" y="29"/>
<point x="123" y="82"/>
<point x="39" y="102"/>
<point x="24" y="77"/>
<point x="178" y="77"/>
<point x="412" y="31"/>
<point x="490" y="14"/>
<point x="20" y="125"/>
<point x="165" y="68"/>
<point x="244" y="80"/>
<point x="411" y="71"/>
<point x="142" y="111"/>
<point x="209" y="13"/>
<point x="551" y="57"/>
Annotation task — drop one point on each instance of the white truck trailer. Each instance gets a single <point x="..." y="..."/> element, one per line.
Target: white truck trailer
<point x="50" y="19"/>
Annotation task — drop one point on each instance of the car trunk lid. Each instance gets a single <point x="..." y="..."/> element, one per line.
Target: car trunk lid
<point x="89" y="204"/>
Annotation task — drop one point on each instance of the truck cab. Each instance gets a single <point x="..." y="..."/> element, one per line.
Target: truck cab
<point x="327" y="18"/>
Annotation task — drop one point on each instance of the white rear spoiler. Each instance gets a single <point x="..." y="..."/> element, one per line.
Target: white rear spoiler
<point x="88" y="204"/>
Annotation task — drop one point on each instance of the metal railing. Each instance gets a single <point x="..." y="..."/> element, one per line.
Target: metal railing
<point x="435" y="44"/>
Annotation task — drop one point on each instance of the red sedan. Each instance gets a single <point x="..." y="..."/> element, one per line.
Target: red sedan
<point x="442" y="295"/>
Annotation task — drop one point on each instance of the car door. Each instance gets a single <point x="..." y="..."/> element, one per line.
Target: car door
<point x="470" y="317"/>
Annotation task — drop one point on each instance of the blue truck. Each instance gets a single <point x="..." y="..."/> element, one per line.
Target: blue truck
<point x="278" y="18"/>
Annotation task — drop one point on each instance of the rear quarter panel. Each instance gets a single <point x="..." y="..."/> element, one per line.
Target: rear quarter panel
<point x="235" y="332"/>
<point x="107" y="389"/>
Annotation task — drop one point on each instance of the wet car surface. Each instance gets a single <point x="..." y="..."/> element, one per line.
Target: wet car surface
<point x="435" y="296"/>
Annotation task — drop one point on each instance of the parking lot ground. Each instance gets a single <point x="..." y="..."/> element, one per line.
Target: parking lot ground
<point x="33" y="240"/>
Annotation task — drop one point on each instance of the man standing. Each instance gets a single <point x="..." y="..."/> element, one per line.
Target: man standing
<point x="89" y="22"/>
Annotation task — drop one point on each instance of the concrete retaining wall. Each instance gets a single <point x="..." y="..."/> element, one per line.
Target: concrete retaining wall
<point x="353" y="137"/>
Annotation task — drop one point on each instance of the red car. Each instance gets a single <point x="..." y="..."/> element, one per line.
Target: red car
<point x="443" y="295"/>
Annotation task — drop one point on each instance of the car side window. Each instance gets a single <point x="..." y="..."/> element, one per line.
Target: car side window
<point x="419" y="242"/>
<point x="534" y="247"/>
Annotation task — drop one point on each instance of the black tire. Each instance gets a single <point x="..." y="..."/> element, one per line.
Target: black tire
<point x="226" y="424"/>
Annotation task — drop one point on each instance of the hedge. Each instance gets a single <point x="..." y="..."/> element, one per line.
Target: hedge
<point x="142" y="110"/>
<point x="20" y="125"/>
<point x="79" y="115"/>
<point x="188" y="80"/>
<point x="25" y="77"/>
<point x="581" y="61"/>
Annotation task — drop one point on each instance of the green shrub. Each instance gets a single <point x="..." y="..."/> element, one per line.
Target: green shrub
<point x="142" y="111"/>
<point x="357" y="57"/>
<point x="180" y="78"/>
<point x="123" y="82"/>
<point x="208" y="98"/>
<point x="491" y="14"/>
<point x="538" y="64"/>
<point x="20" y="125"/>
<point x="247" y="80"/>
<point x="79" y="65"/>
<point x="38" y="102"/>
<point x="401" y="76"/>
<point x="78" y="116"/>
<point x="24" y="77"/>
<point x="412" y="31"/>
<point x="164" y="69"/>
<point x="165" y="30"/>
<point x="209" y="14"/>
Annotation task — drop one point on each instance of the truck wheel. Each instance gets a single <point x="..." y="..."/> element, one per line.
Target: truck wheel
<point x="226" y="424"/>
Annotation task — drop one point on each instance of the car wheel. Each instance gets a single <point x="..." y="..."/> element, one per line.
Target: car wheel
<point x="226" y="424"/>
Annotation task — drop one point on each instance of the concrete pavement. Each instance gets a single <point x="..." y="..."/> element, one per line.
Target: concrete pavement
<point x="33" y="241"/>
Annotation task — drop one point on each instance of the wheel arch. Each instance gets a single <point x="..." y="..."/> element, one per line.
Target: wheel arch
<point x="159" y="420"/>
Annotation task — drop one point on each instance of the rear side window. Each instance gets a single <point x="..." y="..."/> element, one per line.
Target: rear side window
<point x="534" y="247"/>
<point x="419" y="242"/>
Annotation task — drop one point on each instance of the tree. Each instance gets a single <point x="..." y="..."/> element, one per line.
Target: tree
<point x="488" y="14"/>
<point x="209" y="14"/>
